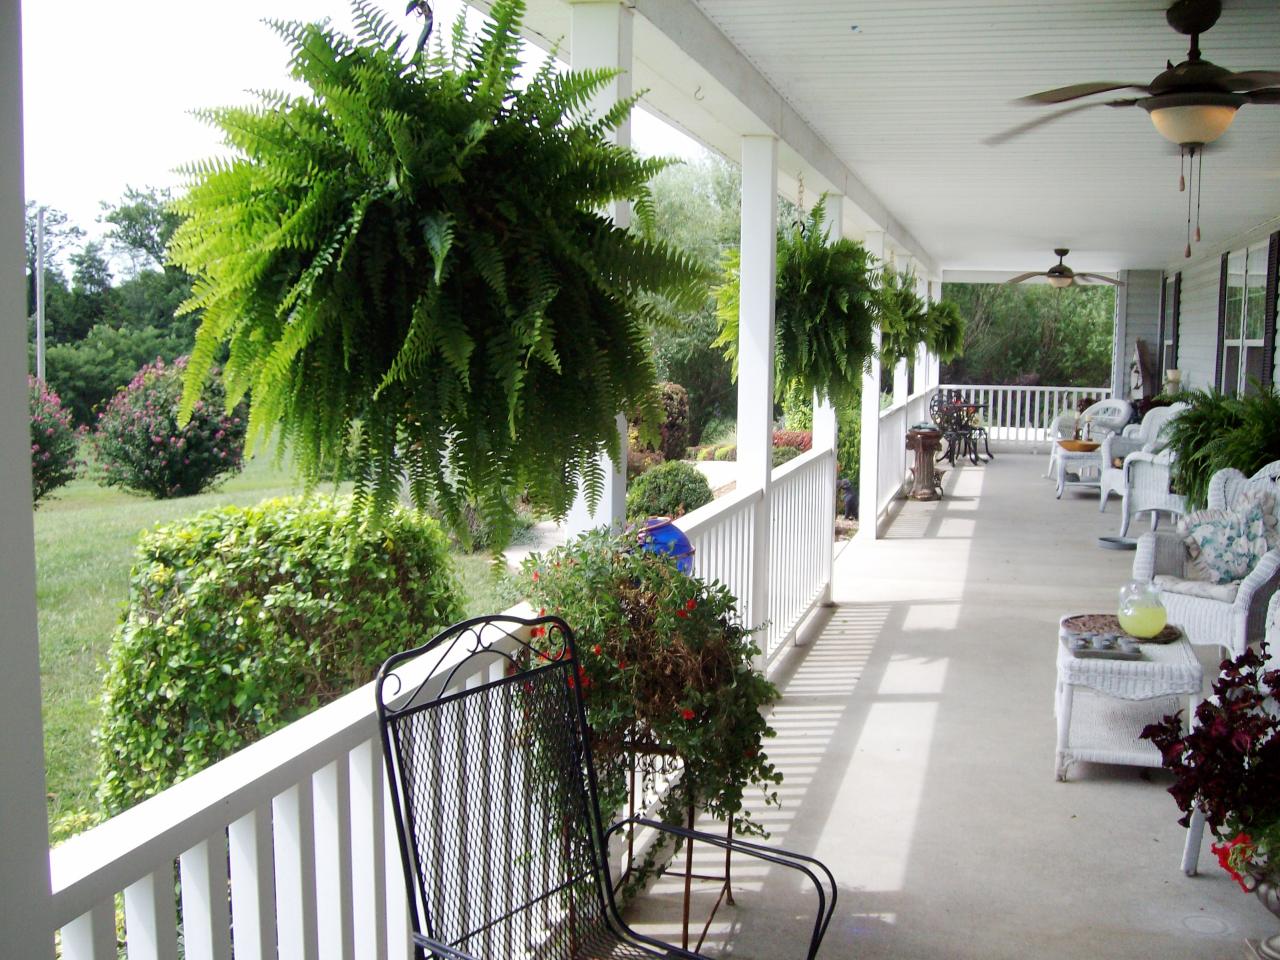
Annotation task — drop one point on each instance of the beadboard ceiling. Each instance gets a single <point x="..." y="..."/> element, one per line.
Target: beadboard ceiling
<point x="907" y="99"/>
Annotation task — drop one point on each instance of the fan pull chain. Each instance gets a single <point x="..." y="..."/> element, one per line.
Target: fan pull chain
<point x="1182" y="159"/>
<point x="1192" y="170"/>
<point x="1200" y="188"/>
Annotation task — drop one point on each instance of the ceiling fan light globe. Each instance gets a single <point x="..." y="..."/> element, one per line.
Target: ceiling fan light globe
<point x="1060" y="282"/>
<point x="1187" y="119"/>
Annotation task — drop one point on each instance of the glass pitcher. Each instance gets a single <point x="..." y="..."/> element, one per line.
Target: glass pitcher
<point x="1141" y="613"/>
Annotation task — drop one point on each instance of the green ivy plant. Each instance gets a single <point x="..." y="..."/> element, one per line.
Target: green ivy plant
<point x="824" y="310"/>
<point x="414" y="246"/>
<point x="1216" y="431"/>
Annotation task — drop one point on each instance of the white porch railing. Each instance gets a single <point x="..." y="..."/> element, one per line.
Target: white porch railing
<point x="1022" y="416"/>
<point x="296" y="829"/>
<point x="287" y="849"/>
<point x="802" y="514"/>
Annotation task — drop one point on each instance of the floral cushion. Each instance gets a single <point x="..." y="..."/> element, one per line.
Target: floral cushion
<point x="1226" y="544"/>
<point x="1266" y="501"/>
<point x="1222" y="592"/>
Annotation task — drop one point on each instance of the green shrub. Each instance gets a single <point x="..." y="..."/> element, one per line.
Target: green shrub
<point x="54" y="442"/>
<point x="666" y="661"/>
<point x="727" y="452"/>
<point x="243" y="619"/>
<point x="87" y="373"/>
<point x="139" y="446"/>
<point x="668" y="490"/>
<point x="783" y="455"/>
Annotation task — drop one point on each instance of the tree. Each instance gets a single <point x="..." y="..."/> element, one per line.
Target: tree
<point x="141" y="224"/>
<point x="1033" y="333"/>
<point x="59" y="235"/>
<point x="88" y="372"/>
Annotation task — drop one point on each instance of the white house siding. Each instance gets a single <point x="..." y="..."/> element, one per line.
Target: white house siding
<point x="1137" y="318"/>
<point x="1198" y="329"/>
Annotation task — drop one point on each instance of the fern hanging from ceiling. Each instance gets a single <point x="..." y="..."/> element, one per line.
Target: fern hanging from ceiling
<point x="410" y="269"/>
<point x="824" y="311"/>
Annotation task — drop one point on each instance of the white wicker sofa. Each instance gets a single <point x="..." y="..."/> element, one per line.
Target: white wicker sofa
<point x="1229" y="615"/>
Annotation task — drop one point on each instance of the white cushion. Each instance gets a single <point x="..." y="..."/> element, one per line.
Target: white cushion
<point x="1222" y="592"/>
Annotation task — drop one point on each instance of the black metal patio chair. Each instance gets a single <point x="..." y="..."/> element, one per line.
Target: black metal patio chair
<point x="495" y="801"/>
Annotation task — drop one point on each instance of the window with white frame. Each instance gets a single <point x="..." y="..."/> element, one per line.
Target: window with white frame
<point x="1169" y="315"/>
<point x="1240" y="348"/>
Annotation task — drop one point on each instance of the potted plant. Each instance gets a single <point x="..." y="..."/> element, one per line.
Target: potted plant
<point x="1216" y="431"/>
<point x="408" y="266"/>
<point x="1228" y="766"/>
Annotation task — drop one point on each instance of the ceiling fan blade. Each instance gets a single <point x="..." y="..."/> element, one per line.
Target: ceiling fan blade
<point x="1077" y="90"/>
<point x="1020" y="129"/>
<point x="1249" y="79"/>
<point x="1098" y="278"/>
<point x="1269" y="95"/>
<point x="1025" y="276"/>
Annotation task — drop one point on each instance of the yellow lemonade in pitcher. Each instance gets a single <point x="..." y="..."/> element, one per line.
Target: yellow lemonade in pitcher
<point x="1142" y="621"/>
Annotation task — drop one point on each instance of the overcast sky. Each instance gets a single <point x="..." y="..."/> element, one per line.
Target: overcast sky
<point x="108" y="86"/>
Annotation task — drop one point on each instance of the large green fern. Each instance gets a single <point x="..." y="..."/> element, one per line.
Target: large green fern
<point x="824" y="311"/>
<point x="410" y="269"/>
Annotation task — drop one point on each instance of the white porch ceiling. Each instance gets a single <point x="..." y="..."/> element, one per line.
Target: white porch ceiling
<point x="905" y="102"/>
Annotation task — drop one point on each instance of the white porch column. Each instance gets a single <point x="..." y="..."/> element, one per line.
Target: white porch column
<point x="24" y="862"/>
<point x="869" y="439"/>
<point x="600" y="37"/>
<point x="756" y="347"/>
<point x="824" y="414"/>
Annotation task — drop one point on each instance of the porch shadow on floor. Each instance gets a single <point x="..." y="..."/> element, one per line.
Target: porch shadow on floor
<point x="916" y="735"/>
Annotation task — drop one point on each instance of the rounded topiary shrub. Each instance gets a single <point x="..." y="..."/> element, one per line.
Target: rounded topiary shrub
<point x="139" y="445"/>
<point x="668" y="490"/>
<point x="53" y="442"/>
<point x="243" y="619"/>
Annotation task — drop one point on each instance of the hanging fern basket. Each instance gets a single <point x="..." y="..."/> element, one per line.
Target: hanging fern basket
<point x="409" y="270"/>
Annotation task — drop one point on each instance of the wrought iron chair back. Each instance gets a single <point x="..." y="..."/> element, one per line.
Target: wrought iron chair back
<point x="495" y="801"/>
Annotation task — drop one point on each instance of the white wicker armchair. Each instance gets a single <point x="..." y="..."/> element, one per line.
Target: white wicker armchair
<point x="1108" y="417"/>
<point x="1142" y="488"/>
<point x="1229" y="615"/>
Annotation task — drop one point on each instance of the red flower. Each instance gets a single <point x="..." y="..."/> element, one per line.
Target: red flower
<point x="690" y="604"/>
<point x="622" y="664"/>
<point x="687" y="714"/>
<point x="537" y="631"/>
<point x="542" y="612"/>
<point x="1226" y="852"/>
<point x="535" y="576"/>
<point x="596" y="649"/>
<point x="682" y="614"/>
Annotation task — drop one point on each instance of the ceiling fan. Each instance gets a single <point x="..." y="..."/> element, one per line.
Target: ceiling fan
<point x="1191" y="104"/>
<point x="1060" y="275"/>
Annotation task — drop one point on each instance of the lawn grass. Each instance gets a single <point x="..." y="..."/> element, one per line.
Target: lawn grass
<point x="84" y="547"/>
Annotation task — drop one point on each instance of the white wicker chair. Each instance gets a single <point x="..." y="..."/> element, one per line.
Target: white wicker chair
<point x="1108" y="416"/>
<point x="1148" y="437"/>
<point x="1231" y="616"/>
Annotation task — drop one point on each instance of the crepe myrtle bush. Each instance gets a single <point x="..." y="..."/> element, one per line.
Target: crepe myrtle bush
<point x="240" y="620"/>
<point x="140" y="447"/>
<point x="665" y="661"/>
<point x="54" y="442"/>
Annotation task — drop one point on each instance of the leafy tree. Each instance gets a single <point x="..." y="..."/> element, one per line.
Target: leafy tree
<point x="414" y="247"/>
<point x="1033" y="333"/>
<point x="142" y="223"/>
<point x="92" y="299"/>
<point x="59" y="235"/>
<point x="697" y="208"/>
<point x="88" y="372"/>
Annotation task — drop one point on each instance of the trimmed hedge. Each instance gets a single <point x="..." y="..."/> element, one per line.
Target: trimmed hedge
<point x="670" y="489"/>
<point x="241" y="620"/>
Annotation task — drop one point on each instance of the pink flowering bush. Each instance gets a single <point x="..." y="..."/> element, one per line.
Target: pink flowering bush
<point x="140" y="447"/>
<point x="53" y="442"/>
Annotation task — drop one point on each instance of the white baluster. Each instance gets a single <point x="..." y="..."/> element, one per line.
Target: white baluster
<point x="206" y="920"/>
<point x="150" y="917"/>
<point x="293" y="833"/>
<point x="91" y="936"/>
<point x="333" y="860"/>
<point x="253" y="886"/>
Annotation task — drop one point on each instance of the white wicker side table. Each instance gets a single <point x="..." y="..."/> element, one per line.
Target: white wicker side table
<point x="1102" y="705"/>
<point x="1085" y="466"/>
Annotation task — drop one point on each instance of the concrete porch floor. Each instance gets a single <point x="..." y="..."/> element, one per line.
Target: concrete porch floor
<point x="916" y="735"/>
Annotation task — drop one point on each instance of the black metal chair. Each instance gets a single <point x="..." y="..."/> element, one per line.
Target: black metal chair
<point x="495" y="801"/>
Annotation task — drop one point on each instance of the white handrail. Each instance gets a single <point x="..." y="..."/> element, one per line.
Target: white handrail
<point x="1023" y="416"/>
